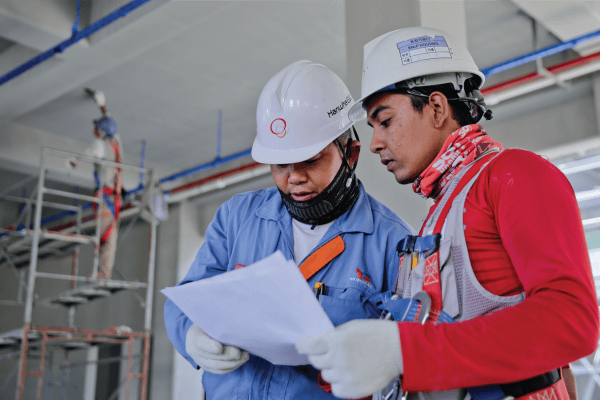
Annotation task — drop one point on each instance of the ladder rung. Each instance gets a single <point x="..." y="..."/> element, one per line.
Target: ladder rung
<point x="68" y="237"/>
<point x="69" y="300"/>
<point x="72" y="195"/>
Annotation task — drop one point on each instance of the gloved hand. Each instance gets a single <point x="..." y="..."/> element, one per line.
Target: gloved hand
<point x="358" y="358"/>
<point x="211" y="355"/>
<point x="99" y="98"/>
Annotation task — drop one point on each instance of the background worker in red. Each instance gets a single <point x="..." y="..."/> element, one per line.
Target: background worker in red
<point x="107" y="146"/>
<point x="515" y="271"/>
<point x="319" y="214"/>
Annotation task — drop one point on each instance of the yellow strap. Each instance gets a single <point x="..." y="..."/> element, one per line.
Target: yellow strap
<point x="322" y="257"/>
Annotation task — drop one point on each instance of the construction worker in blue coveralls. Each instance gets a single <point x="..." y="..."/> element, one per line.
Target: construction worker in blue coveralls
<point x="343" y="240"/>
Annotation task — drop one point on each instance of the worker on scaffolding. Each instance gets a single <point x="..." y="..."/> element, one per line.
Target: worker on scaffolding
<point x="500" y="272"/>
<point x="319" y="215"/>
<point x="107" y="146"/>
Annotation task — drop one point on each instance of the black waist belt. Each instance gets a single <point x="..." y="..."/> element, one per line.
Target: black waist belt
<point x="519" y="389"/>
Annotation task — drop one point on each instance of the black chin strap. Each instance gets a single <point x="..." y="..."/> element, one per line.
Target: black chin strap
<point x="346" y="154"/>
<point x="337" y="198"/>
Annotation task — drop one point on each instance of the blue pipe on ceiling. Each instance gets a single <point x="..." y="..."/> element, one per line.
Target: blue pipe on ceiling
<point x="75" y="37"/>
<point x="546" y="51"/>
<point x="215" y="163"/>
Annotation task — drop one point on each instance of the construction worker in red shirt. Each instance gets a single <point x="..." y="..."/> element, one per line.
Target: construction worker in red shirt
<point x="496" y="293"/>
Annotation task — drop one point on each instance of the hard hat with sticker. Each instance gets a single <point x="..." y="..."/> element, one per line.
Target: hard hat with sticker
<point x="301" y="109"/>
<point x="416" y="57"/>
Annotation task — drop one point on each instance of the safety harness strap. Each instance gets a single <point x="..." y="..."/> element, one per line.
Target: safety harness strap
<point x="473" y="170"/>
<point x="419" y="244"/>
<point x="546" y="386"/>
<point x="408" y="310"/>
<point x="432" y="284"/>
<point x="557" y="391"/>
<point x="537" y="383"/>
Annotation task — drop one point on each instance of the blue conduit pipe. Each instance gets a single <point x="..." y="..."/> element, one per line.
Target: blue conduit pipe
<point x="546" y="51"/>
<point x="75" y="37"/>
<point x="51" y="218"/>
<point x="76" y="24"/>
<point x="215" y="163"/>
<point x="140" y="185"/>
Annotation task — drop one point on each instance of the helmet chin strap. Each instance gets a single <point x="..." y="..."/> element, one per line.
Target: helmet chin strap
<point x="337" y="198"/>
<point x="466" y="91"/>
<point x="347" y="154"/>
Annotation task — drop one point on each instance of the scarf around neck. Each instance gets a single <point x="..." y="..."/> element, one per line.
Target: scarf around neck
<point x="460" y="149"/>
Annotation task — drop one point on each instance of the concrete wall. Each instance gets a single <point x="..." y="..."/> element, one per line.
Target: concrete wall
<point x="363" y="24"/>
<point x="187" y="381"/>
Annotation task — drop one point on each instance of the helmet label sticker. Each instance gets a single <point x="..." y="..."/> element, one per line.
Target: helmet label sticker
<point x="278" y="127"/>
<point x="339" y="108"/>
<point x="423" y="48"/>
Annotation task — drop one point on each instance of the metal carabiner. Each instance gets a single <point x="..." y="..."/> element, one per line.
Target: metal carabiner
<point x="394" y="391"/>
<point x="423" y="298"/>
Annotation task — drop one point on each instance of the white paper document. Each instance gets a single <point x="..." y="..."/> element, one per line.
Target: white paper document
<point x="263" y="308"/>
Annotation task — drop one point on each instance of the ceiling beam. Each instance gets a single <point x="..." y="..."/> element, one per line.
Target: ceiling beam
<point x="567" y="20"/>
<point x="82" y="63"/>
<point x="37" y="24"/>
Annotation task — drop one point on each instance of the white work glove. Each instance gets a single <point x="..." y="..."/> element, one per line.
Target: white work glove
<point x="358" y="358"/>
<point x="99" y="98"/>
<point x="211" y="355"/>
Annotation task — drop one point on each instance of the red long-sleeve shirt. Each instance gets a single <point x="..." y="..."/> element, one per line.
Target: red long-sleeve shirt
<point x="523" y="232"/>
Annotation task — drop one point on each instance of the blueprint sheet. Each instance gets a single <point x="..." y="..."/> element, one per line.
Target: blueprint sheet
<point x="263" y="308"/>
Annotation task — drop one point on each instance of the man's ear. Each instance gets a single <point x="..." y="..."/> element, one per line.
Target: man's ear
<point x="354" y="151"/>
<point x="442" y="112"/>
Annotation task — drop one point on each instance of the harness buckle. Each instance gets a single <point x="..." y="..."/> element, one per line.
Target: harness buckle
<point x="426" y="245"/>
<point x="397" y="309"/>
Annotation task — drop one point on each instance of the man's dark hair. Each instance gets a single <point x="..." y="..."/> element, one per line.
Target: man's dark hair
<point x="344" y="136"/>
<point x="460" y="110"/>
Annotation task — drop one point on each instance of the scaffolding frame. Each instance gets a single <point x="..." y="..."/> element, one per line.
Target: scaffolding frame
<point x="78" y="295"/>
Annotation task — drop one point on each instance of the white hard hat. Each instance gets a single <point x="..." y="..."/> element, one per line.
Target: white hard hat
<point x="302" y="109"/>
<point x="417" y="52"/>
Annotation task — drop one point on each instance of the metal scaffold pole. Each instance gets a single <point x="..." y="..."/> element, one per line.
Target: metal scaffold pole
<point x="31" y="278"/>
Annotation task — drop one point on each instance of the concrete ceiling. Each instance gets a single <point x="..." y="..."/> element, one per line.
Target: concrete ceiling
<point x="567" y="20"/>
<point x="170" y="66"/>
<point x="167" y="77"/>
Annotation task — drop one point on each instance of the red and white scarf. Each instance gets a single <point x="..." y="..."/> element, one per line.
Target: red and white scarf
<point x="458" y="151"/>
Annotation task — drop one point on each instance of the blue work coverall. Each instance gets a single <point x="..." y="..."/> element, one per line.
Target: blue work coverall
<point x="252" y="226"/>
